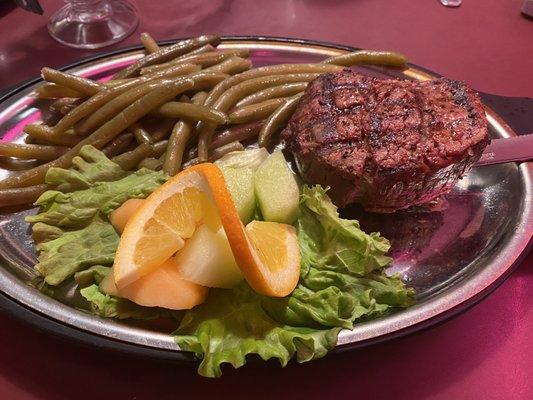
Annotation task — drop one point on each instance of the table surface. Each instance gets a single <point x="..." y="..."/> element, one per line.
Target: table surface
<point x="485" y="353"/>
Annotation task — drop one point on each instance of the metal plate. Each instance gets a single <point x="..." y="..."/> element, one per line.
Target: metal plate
<point x="452" y="257"/>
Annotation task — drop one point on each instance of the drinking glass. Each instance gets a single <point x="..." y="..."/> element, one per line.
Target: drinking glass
<point x="90" y="24"/>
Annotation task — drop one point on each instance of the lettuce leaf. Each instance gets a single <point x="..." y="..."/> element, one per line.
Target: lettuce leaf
<point x="75" y="250"/>
<point x="232" y="324"/>
<point x="341" y="282"/>
<point x="341" y="277"/>
<point x="80" y="207"/>
<point x="90" y="166"/>
<point x="330" y="242"/>
<point x="72" y="229"/>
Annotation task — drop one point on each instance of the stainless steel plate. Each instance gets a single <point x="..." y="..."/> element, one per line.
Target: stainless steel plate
<point x="452" y="256"/>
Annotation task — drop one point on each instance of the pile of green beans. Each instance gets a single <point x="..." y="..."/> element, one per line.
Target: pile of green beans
<point x="176" y="106"/>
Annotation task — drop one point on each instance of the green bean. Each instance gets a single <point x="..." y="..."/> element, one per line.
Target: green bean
<point x="43" y="135"/>
<point x="50" y="118"/>
<point x="116" y="105"/>
<point x="129" y="160"/>
<point x="31" y="151"/>
<point x="287" y="89"/>
<point x="141" y="135"/>
<point x="151" y="163"/>
<point x="277" y="119"/>
<point x="162" y="130"/>
<point x="204" y="59"/>
<point x="74" y="82"/>
<point x="54" y="91"/>
<point x="238" y="133"/>
<point x="132" y="90"/>
<point x="58" y="104"/>
<point x="66" y="108"/>
<point x="118" y="82"/>
<point x="232" y="65"/>
<point x="166" y="54"/>
<point x="16" y="164"/>
<point x="176" y="109"/>
<point x="206" y="80"/>
<point x="199" y="98"/>
<point x="104" y="134"/>
<point x="231" y="96"/>
<point x="280" y="69"/>
<point x="223" y="150"/>
<point x="371" y="57"/>
<point x="119" y="144"/>
<point x="217" y="153"/>
<point x="173" y="72"/>
<point x="255" y="112"/>
<point x="178" y="140"/>
<point x="159" y="148"/>
<point x="99" y="99"/>
<point x="18" y="196"/>
<point x="36" y="140"/>
<point x="178" y="60"/>
<point x="206" y="48"/>
<point x="149" y="43"/>
<point x="87" y="107"/>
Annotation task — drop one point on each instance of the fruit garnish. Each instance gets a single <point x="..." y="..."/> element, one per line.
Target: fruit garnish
<point x="196" y="203"/>
<point x="240" y="182"/>
<point x="120" y="217"/>
<point x="163" y="287"/>
<point x="168" y="217"/>
<point x="207" y="259"/>
<point x="269" y="258"/>
<point x="276" y="190"/>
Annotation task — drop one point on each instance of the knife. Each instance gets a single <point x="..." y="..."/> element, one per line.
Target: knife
<point x="517" y="148"/>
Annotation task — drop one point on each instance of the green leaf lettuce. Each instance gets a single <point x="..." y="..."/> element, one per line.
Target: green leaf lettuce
<point x="72" y="229"/>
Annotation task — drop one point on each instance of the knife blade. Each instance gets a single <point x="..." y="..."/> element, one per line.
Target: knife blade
<point x="517" y="148"/>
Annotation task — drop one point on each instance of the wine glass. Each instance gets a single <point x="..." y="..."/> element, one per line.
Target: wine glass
<point x="90" y="24"/>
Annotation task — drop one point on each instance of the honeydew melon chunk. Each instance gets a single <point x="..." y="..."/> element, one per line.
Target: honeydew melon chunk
<point x="207" y="259"/>
<point x="250" y="158"/>
<point x="276" y="190"/>
<point x="240" y="183"/>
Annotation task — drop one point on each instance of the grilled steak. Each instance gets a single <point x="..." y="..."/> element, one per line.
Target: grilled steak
<point x="385" y="143"/>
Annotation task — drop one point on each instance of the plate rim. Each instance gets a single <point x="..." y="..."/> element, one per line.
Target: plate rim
<point x="423" y="323"/>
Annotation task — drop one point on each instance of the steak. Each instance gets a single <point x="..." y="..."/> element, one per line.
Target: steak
<point x="384" y="143"/>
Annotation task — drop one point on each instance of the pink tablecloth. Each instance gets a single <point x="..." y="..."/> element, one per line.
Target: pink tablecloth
<point x="485" y="353"/>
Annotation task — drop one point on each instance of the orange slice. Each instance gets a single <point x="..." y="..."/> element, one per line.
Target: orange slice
<point x="266" y="252"/>
<point x="170" y="215"/>
<point x="270" y="260"/>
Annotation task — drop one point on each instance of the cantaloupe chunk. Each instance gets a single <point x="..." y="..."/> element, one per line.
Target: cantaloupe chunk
<point x="120" y="217"/>
<point x="163" y="287"/>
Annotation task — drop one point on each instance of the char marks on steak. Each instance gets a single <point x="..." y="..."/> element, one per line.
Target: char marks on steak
<point x="384" y="143"/>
